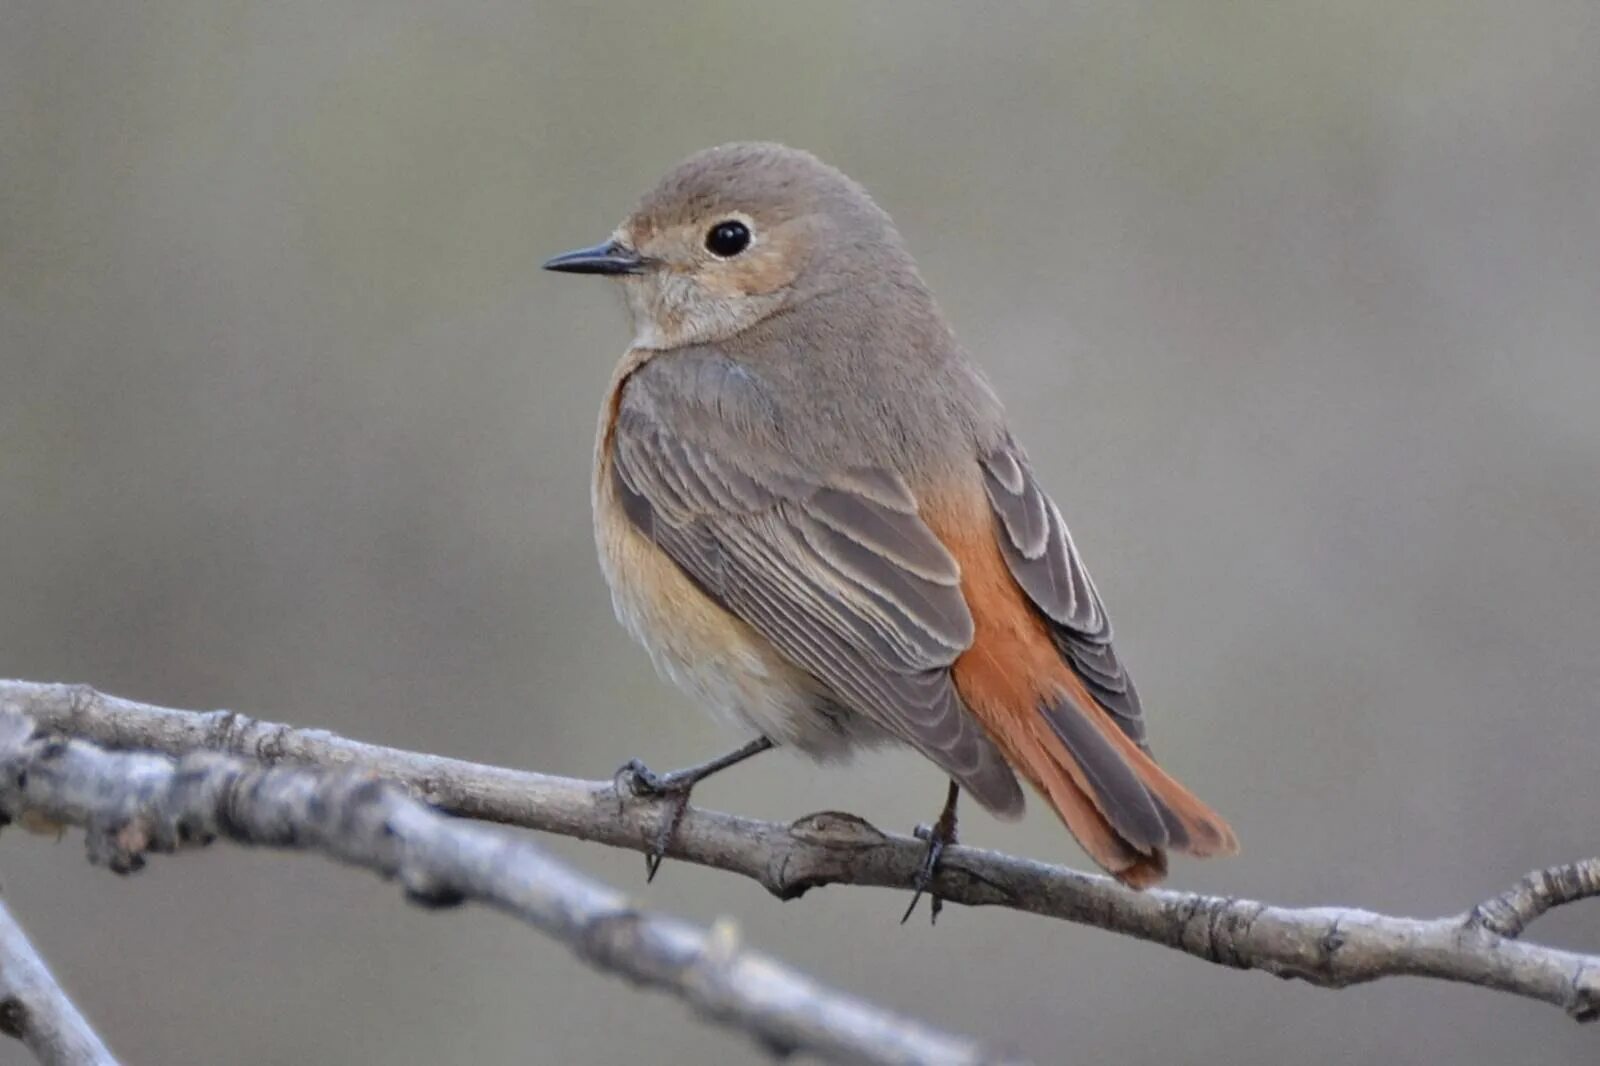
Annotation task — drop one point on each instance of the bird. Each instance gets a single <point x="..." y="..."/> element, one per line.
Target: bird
<point x="812" y="513"/>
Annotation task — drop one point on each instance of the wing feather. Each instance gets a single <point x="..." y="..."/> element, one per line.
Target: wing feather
<point x="1040" y="553"/>
<point x="838" y="571"/>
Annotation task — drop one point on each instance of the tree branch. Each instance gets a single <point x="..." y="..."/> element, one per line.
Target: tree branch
<point x="1509" y="913"/>
<point x="35" y="1010"/>
<point x="135" y="804"/>
<point x="1328" y="946"/>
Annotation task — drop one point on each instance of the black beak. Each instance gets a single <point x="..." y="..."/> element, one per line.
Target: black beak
<point x="607" y="258"/>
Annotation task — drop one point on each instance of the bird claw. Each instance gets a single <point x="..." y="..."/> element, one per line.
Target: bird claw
<point x="924" y="876"/>
<point x="938" y="836"/>
<point x="644" y="783"/>
<point x="669" y="827"/>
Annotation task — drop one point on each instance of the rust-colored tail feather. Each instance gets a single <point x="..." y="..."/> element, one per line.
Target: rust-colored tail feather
<point x="1060" y="779"/>
<point x="1185" y="823"/>
<point x="1123" y="808"/>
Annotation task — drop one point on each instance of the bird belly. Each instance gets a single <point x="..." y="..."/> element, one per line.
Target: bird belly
<point x="719" y="660"/>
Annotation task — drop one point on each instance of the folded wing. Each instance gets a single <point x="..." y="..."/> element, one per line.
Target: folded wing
<point x="836" y="569"/>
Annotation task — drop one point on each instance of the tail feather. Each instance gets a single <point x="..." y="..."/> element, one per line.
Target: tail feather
<point x="1117" y="790"/>
<point x="1123" y="809"/>
<point x="1185" y="822"/>
<point x="1062" y="782"/>
<point x="1042" y="715"/>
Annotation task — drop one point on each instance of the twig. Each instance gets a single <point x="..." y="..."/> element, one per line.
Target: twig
<point x="1513" y="910"/>
<point x="135" y="804"/>
<point x="1328" y="946"/>
<point x="35" y="1010"/>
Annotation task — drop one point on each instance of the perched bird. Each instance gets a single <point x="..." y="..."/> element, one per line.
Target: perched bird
<point x="812" y="513"/>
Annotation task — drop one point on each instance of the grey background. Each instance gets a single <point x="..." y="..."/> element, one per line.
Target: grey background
<point x="1295" y="305"/>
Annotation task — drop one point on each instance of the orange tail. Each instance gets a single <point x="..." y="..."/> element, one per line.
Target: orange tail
<point x="1123" y="808"/>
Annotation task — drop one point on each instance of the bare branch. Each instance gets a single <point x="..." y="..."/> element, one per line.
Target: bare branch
<point x="1327" y="946"/>
<point x="135" y="804"/>
<point x="1511" y="911"/>
<point x="35" y="1010"/>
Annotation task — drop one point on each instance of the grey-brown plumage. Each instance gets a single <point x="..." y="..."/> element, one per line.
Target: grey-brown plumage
<point x="838" y="572"/>
<point x="811" y="511"/>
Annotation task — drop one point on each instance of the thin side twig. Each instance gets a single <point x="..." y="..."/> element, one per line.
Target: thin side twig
<point x="35" y="1010"/>
<point x="1327" y="946"/>
<point x="1513" y="910"/>
<point x="136" y="804"/>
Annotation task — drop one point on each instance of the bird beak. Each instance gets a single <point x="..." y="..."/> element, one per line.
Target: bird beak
<point x="610" y="257"/>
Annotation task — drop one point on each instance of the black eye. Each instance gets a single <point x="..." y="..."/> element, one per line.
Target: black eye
<point x="728" y="239"/>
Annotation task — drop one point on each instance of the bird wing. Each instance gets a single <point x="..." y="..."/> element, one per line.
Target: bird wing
<point x="837" y="570"/>
<point x="1039" y="551"/>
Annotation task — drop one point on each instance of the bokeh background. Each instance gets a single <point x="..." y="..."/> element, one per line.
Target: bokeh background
<point x="1297" y="306"/>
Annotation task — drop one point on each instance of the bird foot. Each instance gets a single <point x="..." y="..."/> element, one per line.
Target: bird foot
<point x="640" y="781"/>
<point x="938" y="836"/>
<point x="644" y="783"/>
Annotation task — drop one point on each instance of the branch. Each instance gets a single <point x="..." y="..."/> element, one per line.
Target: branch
<point x="135" y="804"/>
<point x="1328" y="946"/>
<point x="1509" y="913"/>
<point x="35" y="1010"/>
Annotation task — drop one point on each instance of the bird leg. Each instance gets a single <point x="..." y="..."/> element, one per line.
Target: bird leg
<point x="675" y="787"/>
<point x="939" y="836"/>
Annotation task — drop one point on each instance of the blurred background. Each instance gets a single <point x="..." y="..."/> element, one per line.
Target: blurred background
<point x="1296" y="306"/>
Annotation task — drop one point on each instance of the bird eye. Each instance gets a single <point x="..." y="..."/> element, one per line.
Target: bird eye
<point x="728" y="239"/>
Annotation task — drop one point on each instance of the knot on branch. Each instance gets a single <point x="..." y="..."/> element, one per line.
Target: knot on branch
<point x="231" y="731"/>
<point x="83" y="701"/>
<point x="13" y="1017"/>
<point x="818" y="849"/>
<point x="1585" y="1005"/>
<point x="609" y="936"/>
<point x="1218" y="928"/>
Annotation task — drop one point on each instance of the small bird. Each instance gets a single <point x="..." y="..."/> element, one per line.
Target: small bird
<point x="811" y="512"/>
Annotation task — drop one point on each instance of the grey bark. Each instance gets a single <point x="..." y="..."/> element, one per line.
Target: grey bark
<point x="1328" y="946"/>
<point x="133" y="805"/>
<point x="34" y="1009"/>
